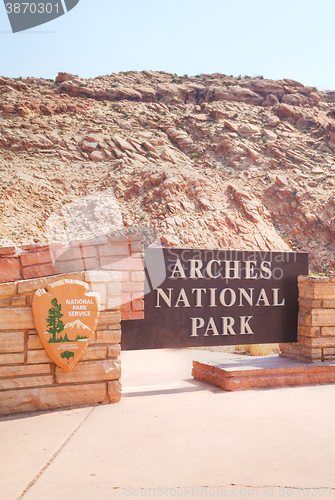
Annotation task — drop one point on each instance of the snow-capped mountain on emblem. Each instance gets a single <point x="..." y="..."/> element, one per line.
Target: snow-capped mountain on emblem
<point x="64" y="340"/>
<point x="78" y="324"/>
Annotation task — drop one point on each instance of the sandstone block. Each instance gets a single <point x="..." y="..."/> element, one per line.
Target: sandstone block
<point x="16" y="318"/>
<point x="320" y="368"/>
<point x="114" y="391"/>
<point x="34" y="342"/>
<point x="248" y="383"/>
<point x="320" y="317"/>
<point x="7" y="251"/>
<point x="114" y="351"/>
<point x="328" y="304"/>
<point x="321" y="378"/>
<point x="10" y="269"/>
<point x="132" y="286"/>
<point x="309" y="304"/>
<point x="103" y="276"/>
<point x="91" y="263"/>
<point x="309" y="331"/>
<point x="108" y="317"/>
<point x="302" y="312"/>
<point x="329" y="351"/>
<point x="114" y="289"/>
<point x="94" y="352"/>
<point x="20" y="382"/>
<point x="4" y="302"/>
<point x="11" y="342"/>
<point x="125" y="297"/>
<point x="321" y="291"/>
<point x="212" y="379"/>
<point x="38" y="356"/>
<point x="72" y="266"/>
<point x="34" y="284"/>
<point x="37" y="271"/>
<point x="88" y="252"/>
<point x="90" y="371"/>
<point x="137" y="305"/>
<point x="34" y="248"/>
<point x="301" y="341"/>
<point x="108" y="337"/>
<point x="11" y="359"/>
<point x="319" y="342"/>
<point x="113" y="302"/>
<point x="311" y="354"/>
<point x="231" y="385"/>
<point x="125" y="302"/>
<point x="8" y="289"/>
<point x="114" y="250"/>
<point x="125" y="275"/>
<point x="328" y="331"/>
<point x="66" y="254"/>
<point x="18" y="301"/>
<point x="208" y="367"/>
<point x="105" y="327"/>
<point x="300" y="379"/>
<point x="127" y="315"/>
<point x="136" y="246"/>
<point x="290" y="349"/>
<point x="23" y="400"/>
<point x="205" y="374"/>
<point x="128" y="264"/>
<point x="33" y="258"/>
<point x="101" y="288"/>
<point x="107" y="263"/>
<point x="137" y="276"/>
<point x="23" y="370"/>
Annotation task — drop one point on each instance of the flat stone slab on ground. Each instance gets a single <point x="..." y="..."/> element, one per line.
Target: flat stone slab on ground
<point x="271" y="371"/>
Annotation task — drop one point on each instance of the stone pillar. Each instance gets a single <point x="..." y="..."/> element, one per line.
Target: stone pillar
<point x="29" y="380"/>
<point x="316" y="320"/>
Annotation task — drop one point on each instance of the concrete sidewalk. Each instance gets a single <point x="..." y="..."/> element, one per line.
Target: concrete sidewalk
<point x="173" y="436"/>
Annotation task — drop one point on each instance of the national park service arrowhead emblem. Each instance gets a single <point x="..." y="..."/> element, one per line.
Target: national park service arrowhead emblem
<point x="66" y="315"/>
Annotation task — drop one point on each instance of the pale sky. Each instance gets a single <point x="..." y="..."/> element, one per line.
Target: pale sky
<point x="277" y="39"/>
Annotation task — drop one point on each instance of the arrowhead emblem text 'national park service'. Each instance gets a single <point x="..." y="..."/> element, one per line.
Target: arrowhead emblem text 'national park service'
<point x="66" y="315"/>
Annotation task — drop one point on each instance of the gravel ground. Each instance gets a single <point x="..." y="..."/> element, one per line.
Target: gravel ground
<point x="238" y="349"/>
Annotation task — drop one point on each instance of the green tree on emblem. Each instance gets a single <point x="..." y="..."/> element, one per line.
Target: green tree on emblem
<point x="54" y="323"/>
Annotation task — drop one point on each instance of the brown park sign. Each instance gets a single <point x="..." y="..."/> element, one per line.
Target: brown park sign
<point x="66" y="315"/>
<point x="217" y="297"/>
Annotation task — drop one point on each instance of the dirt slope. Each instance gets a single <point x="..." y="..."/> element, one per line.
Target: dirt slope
<point x="210" y="161"/>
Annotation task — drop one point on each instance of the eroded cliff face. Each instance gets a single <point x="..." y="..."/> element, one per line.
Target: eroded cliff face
<point x="210" y="161"/>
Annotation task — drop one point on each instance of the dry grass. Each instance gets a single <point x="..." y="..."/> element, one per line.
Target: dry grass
<point x="258" y="349"/>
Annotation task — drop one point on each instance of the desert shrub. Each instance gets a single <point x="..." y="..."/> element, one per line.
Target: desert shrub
<point x="258" y="349"/>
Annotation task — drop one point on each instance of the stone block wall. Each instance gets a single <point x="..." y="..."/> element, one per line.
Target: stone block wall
<point x="29" y="380"/>
<point x="316" y="321"/>
<point x="123" y="254"/>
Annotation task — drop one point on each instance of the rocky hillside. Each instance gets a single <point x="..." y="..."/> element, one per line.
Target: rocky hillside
<point x="210" y="161"/>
